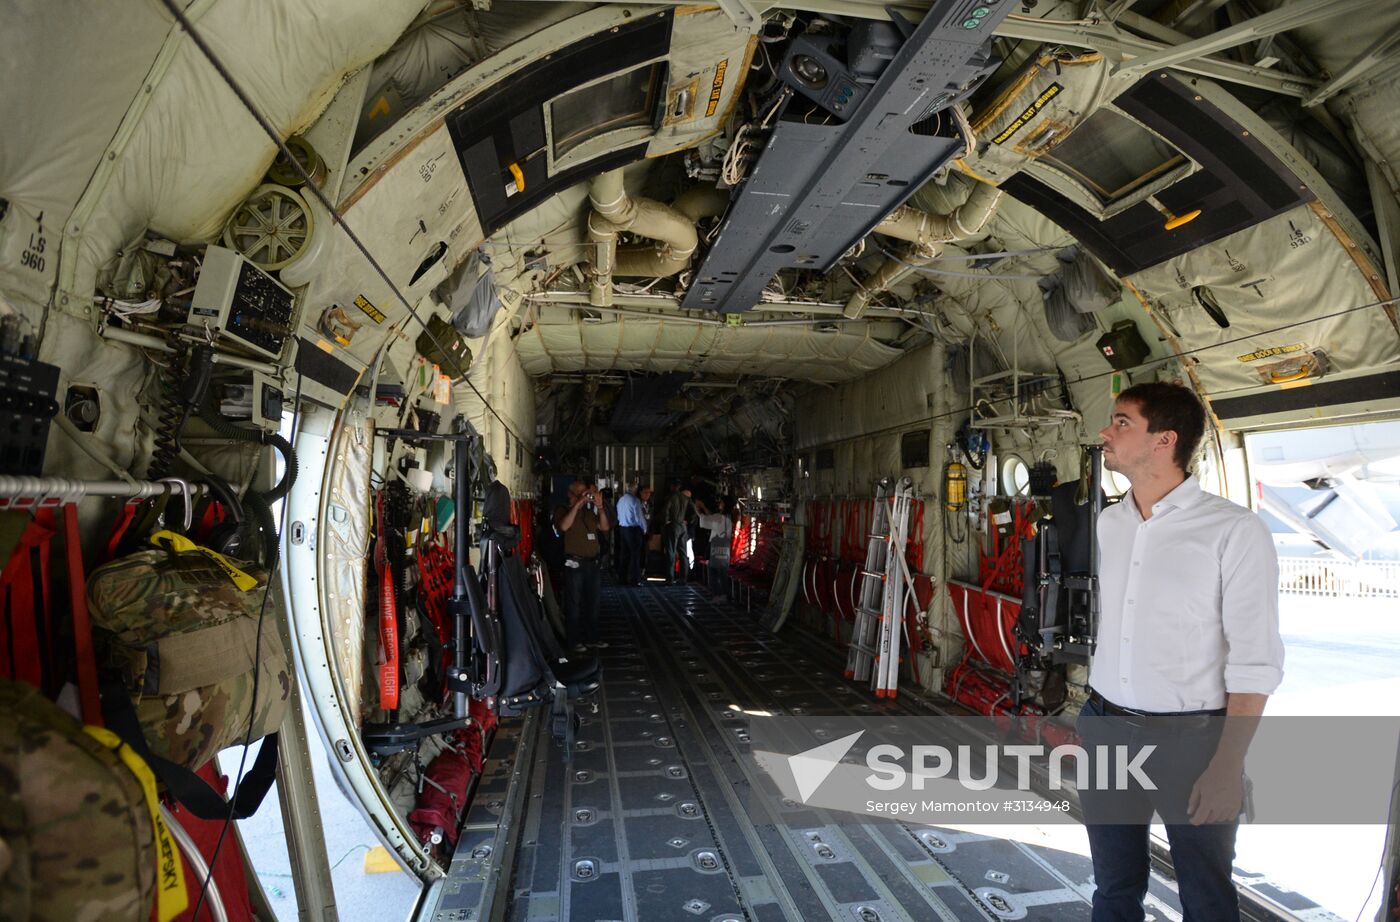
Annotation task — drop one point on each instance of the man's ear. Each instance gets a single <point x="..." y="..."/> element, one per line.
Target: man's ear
<point x="1166" y="439"/>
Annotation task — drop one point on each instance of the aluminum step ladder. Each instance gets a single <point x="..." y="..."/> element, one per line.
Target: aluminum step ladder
<point x="866" y="633"/>
<point x="875" y="641"/>
<point x="898" y="588"/>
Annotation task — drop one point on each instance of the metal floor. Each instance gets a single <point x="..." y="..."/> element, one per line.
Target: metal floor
<point x="650" y="820"/>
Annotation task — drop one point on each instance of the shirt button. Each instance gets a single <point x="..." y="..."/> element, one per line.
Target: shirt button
<point x="1137" y="563"/>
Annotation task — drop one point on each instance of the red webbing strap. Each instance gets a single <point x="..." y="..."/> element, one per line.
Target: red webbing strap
<point x="124" y="520"/>
<point x="82" y="627"/>
<point x="21" y="654"/>
<point x="388" y="618"/>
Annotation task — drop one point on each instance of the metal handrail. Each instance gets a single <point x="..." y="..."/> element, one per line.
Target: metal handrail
<point x="20" y="492"/>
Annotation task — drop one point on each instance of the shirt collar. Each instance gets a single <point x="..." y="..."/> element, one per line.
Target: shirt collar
<point x="1183" y="496"/>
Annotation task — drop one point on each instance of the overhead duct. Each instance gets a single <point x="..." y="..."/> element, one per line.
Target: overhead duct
<point x="928" y="233"/>
<point x="672" y="227"/>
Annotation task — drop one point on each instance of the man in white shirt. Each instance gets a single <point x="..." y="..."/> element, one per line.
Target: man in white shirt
<point x="1188" y="629"/>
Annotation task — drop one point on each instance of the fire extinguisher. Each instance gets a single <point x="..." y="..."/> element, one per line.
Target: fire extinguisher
<point x="955" y="486"/>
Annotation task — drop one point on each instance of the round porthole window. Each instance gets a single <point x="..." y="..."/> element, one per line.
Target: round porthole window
<point x="1015" y="476"/>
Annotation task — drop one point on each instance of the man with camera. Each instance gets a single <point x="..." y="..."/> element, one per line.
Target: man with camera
<point x="579" y="524"/>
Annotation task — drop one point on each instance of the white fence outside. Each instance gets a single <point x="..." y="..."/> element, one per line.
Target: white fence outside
<point x="1314" y="576"/>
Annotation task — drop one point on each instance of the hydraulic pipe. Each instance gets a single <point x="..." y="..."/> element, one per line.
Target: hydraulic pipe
<point x="927" y="233"/>
<point x="673" y="229"/>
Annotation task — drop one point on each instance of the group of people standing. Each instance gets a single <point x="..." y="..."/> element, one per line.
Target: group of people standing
<point x="676" y="521"/>
<point x="583" y="523"/>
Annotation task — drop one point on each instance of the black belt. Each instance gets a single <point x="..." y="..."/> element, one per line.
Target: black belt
<point x="1115" y="710"/>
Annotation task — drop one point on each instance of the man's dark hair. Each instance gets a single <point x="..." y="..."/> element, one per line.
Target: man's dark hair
<point x="1171" y="408"/>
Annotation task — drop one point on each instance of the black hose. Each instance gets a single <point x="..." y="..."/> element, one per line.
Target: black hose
<point x="259" y="503"/>
<point x="267" y="524"/>
<point x="209" y="412"/>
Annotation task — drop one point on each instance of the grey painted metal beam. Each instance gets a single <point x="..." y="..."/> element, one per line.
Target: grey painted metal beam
<point x="1366" y="63"/>
<point x="1120" y="45"/>
<point x="301" y="816"/>
<point x="1281" y="20"/>
<point x="1198" y="10"/>
<point x="1387" y="222"/>
<point x="745" y="16"/>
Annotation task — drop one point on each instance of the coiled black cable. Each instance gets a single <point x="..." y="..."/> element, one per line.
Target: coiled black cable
<point x="172" y="412"/>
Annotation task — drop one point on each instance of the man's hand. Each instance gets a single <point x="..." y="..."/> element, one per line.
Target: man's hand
<point x="1218" y="795"/>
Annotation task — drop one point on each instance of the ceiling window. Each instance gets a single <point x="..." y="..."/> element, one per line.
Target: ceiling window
<point x="1111" y="156"/>
<point x="627" y="100"/>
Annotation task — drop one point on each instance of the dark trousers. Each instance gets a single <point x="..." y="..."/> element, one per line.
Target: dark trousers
<point x="1118" y="822"/>
<point x="633" y="543"/>
<point x="582" y="582"/>
<point x="675" y="538"/>
<point x="717" y="572"/>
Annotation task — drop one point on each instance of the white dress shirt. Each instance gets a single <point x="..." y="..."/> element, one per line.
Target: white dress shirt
<point x="1188" y="603"/>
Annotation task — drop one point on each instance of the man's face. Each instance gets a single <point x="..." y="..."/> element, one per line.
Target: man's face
<point x="575" y="490"/>
<point x="646" y="494"/>
<point x="1127" y="445"/>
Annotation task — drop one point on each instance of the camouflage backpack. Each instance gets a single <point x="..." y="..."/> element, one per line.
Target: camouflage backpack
<point x="180" y="624"/>
<point x="76" y="829"/>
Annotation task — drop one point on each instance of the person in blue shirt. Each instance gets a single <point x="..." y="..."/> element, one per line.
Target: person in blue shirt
<point x="632" y="519"/>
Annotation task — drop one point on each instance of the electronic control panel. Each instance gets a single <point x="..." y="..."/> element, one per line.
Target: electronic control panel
<point x="27" y="406"/>
<point x="236" y="298"/>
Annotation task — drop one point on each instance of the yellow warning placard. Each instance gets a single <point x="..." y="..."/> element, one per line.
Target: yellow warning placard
<point x="370" y="310"/>
<point x="1271" y="352"/>
<point x="1031" y="111"/>
<point x="716" y="87"/>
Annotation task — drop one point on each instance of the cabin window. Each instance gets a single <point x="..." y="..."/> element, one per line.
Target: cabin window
<point x="1015" y="477"/>
<point x="826" y="459"/>
<point x="1111" y="156"/>
<point x="914" y="449"/>
<point x="627" y="100"/>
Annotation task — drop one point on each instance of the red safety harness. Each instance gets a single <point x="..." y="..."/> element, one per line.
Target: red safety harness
<point x="29" y="643"/>
<point x="388" y="659"/>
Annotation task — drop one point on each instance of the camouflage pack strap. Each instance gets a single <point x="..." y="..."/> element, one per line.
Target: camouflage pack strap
<point x="172" y="899"/>
<point x="184" y="785"/>
<point x="180" y="662"/>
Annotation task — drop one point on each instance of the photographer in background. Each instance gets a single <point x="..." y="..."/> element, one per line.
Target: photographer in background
<point x="580" y="525"/>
